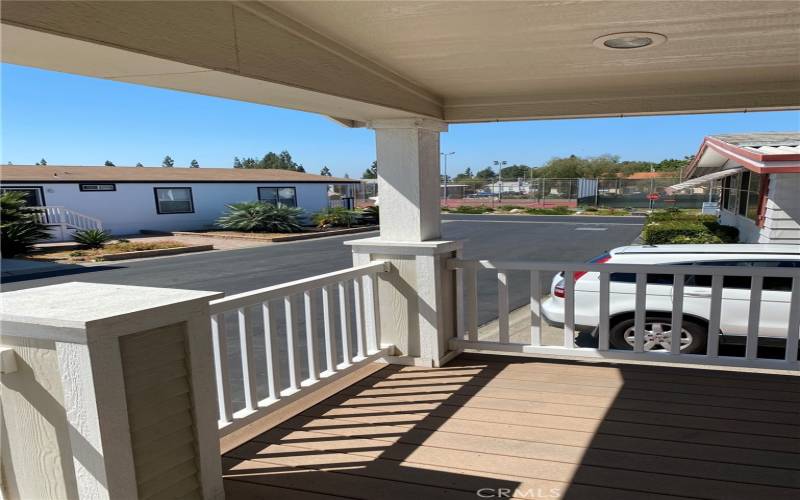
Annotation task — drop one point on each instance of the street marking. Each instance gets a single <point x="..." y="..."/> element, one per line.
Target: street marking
<point x="544" y="222"/>
<point x="591" y="229"/>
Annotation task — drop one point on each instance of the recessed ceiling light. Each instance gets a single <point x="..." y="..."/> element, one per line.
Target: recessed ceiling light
<point x="629" y="41"/>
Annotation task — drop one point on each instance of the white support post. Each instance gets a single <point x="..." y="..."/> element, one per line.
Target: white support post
<point x="417" y="299"/>
<point x="103" y="357"/>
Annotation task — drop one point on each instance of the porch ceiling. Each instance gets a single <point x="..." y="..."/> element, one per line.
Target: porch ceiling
<point x="460" y="61"/>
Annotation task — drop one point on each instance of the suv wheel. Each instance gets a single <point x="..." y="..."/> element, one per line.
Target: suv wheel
<point x="658" y="335"/>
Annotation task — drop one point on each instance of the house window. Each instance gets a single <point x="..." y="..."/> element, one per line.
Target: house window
<point x="743" y="194"/>
<point x="97" y="187"/>
<point x="278" y="196"/>
<point x="33" y="196"/>
<point x="174" y="200"/>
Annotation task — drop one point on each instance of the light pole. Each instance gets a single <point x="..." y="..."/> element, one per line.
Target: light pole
<point x="445" y="174"/>
<point x="499" y="164"/>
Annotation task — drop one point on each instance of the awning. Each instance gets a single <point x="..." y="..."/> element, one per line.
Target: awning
<point x="703" y="179"/>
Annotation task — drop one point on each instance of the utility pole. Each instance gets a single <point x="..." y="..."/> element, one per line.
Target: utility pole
<point x="445" y="155"/>
<point x="499" y="164"/>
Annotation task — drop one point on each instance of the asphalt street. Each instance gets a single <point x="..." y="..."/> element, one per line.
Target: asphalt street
<point x="509" y="237"/>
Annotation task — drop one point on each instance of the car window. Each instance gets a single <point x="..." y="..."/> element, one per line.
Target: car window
<point x="773" y="283"/>
<point x="652" y="279"/>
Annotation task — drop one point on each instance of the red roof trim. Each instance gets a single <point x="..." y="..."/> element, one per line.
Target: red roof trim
<point x="748" y="153"/>
<point x="748" y="159"/>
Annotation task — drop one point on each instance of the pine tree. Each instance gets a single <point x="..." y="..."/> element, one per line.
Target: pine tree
<point x="325" y="171"/>
<point x="237" y="163"/>
<point x="194" y="164"/>
<point x="168" y="162"/>
<point x="42" y="162"/>
<point x="139" y="165"/>
<point x="109" y="163"/>
<point x="372" y="171"/>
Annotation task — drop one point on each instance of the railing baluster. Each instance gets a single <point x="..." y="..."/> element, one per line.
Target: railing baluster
<point x="677" y="313"/>
<point x="271" y="351"/>
<point x="793" y="331"/>
<point x="639" y="314"/>
<point x="471" y="303"/>
<point x="602" y="340"/>
<point x="330" y="328"/>
<point x="221" y="371"/>
<point x="359" y="313"/>
<point x="291" y="342"/>
<point x="536" y="308"/>
<point x="344" y="319"/>
<point x="371" y="313"/>
<point x="715" y="308"/>
<point x="569" y="309"/>
<point x="502" y="307"/>
<point x="310" y="301"/>
<point x="754" y="316"/>
<point x="248" y="365"/>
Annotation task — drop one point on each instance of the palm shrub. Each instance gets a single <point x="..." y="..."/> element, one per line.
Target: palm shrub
<point x="92" y="238"/>
<point x="336" y="217"/>
<point x="371" y="215"/>
<point x="20" y="228"/>
<point x="257" y="216"/>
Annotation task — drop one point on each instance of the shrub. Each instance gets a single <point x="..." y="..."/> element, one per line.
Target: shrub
<point x="549" y="211"/>
<point x="467" y="209"/>
<point x="510" y="207"/>
<point x="590" y="209"/>
<point x="677" y="232"/>
<point x="19" y="226"/>
<point x="92" y="238"/>
<point x="257" y="216"/>
<point x="336" y="217"/>
<point x="371" y="215"/>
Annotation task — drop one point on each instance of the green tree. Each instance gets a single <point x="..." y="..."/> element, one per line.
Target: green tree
<point x="168" y="162"/>
<point x="237" y="163"/>
<point x="325" y="171"/>
<point x="139" y="165"/>
<point x="485" y="174"/>
<point x="109" y="163"/>
<point x="42" y="162"/>
<point x="194" y="164"/>
<point x="371" y="172"/>
<point x="515" y="171"/>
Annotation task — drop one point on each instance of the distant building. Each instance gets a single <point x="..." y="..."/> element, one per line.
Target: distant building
<point x="128" y="199"/>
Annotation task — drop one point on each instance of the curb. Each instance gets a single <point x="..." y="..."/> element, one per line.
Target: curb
<point x="279" y="239"/>
<point x="153" y="253"/>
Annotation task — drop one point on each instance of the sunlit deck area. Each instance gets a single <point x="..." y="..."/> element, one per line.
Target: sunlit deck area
<point x="489" y="426"/>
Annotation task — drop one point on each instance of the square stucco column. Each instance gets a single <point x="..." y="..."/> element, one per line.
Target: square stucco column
<point x="417" y="299"/>
<point x="112" y="395"/>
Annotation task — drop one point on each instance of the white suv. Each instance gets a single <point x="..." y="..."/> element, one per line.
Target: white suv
<point x="774" y="318"/>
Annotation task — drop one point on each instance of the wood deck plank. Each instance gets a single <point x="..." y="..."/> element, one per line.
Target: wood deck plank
<point x="584" y="430"/>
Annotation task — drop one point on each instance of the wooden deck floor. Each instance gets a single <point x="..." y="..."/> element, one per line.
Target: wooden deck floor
<point x="488" y="426"/>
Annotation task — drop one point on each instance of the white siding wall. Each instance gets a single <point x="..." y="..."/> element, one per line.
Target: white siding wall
<point x="132" y="206"/>
<point x="782" y="216"/>
<point x="749" y="232"/>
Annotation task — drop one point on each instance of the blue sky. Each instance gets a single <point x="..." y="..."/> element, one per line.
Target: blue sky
<point x="75" y="120"/>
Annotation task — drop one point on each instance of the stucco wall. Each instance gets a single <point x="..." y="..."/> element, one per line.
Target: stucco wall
<point x="132" y="206"/>
<point x="749" y="232"/>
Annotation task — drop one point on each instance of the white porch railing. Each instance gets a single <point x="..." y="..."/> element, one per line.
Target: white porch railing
<point x="66" y="219"/>
<point x="355" y="290"/>
<point x="468" y="306"/>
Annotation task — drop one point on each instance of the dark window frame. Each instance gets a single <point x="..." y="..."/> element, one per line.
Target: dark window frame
<point x="25" y="188"/>
<point x="82" y="186"/>
<point x="276" y="188"/>
<point x="158" y="205"/>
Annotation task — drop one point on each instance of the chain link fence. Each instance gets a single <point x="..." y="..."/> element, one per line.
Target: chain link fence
<point x="547" y="193"/>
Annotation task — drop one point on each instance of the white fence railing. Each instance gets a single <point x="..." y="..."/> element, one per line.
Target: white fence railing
<point x="468" y="337"/>
<point x="66" y="218"/>
<point x="349" y="299"/>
